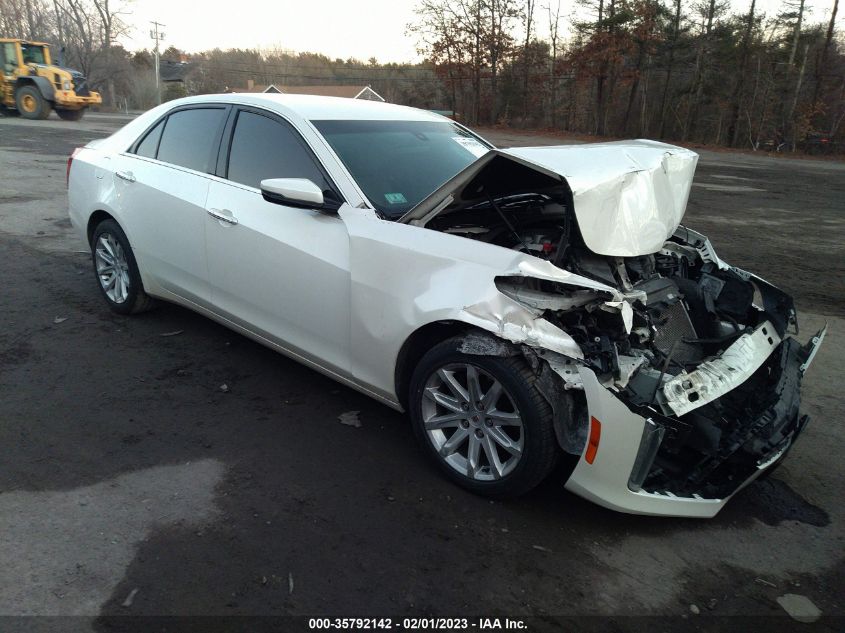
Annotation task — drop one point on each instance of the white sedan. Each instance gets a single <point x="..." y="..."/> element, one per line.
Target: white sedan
<point x="524" y="306"/>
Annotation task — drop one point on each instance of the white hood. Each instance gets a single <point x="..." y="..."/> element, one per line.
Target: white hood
<point x="629" y="196"/>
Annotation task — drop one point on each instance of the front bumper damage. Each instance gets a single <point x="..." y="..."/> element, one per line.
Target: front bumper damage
<point x="669" y="373"/>
<point x="680" y="465"/>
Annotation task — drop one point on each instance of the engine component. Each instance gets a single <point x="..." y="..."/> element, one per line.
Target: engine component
<point x="674" y="330"/>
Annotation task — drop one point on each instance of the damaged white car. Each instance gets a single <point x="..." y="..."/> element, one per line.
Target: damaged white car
<point x="522" y="305"/>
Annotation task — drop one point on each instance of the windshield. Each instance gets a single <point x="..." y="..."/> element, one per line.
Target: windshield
<point x="398" y="163"/>
<point x="32" y="54"/>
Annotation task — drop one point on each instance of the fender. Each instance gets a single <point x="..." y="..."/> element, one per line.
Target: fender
<point x="42" y="83"/>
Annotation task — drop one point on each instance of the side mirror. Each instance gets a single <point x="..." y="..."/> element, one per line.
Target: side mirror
<point x="297" y="192"/>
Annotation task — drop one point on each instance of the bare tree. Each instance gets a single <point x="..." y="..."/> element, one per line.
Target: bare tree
<point x="528" y="17"/>
<point x="739" y="81"/>
<point x="670" y="65"/>
<point x="823" y="56"/>
<point x="554" y="38"/>
<point x="26" y="19"/>
<point x="709" y="11"/>
<point x="112" y="27"/>
<point x="796" y="32"/>
<point x="644" y="35"/>
<point x="443" y="41"/>
<point x="499" y="42"/>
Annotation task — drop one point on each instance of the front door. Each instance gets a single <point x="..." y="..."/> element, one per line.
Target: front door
<point x="281" y="272"/>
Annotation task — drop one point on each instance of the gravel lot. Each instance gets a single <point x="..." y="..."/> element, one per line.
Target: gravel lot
<point x="132" y="484"/>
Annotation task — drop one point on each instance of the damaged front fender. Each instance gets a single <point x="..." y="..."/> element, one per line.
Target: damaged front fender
<point x="452" y="280"/>
<point x="577" y="295"/>
<point x="510" y="320"/>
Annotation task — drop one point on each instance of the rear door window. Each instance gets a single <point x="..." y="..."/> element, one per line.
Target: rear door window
<point x="189" y="137"/>
<point x="263" y="148"/>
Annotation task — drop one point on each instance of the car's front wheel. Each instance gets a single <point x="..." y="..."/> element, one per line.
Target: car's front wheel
<point x="116" y="270"/>
<point x="482" y="420"/>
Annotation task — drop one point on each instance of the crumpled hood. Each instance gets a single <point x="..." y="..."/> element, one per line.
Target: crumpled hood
<point x="629" y="196"/>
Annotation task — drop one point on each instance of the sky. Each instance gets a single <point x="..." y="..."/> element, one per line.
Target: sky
<point x="336" y="28"/>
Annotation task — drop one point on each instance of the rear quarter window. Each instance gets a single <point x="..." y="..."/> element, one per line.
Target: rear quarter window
<point x="149" y="146"/>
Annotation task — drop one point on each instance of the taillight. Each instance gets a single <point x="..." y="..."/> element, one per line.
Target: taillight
<point x="69" y="163"/>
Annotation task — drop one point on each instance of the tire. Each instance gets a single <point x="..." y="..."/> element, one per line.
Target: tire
<point x="8" y="112"/>
<point x="70" y="115"/>
<point x="534" y="434"/>
<point x="31" y="104"/>
<point x="123" y="291"/>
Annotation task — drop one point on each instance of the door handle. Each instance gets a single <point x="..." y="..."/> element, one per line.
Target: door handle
<point x="224" y="215"/>
<point x="125" y="175"/>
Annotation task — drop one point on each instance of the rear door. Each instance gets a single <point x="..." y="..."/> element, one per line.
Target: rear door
<point x="163" y="184"/>
<point x="282" y="272"/>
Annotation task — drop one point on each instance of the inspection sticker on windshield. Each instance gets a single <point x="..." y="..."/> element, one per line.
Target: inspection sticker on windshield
<point x="395" y="198"/>
<point x="471" y="145"/>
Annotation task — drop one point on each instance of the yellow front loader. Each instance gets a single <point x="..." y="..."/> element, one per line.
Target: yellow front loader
<point x="32" y="86"/>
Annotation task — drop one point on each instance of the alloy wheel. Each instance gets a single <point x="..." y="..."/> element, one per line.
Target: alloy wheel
<point x="112" y="268"/>
<point x="472" y="422"/>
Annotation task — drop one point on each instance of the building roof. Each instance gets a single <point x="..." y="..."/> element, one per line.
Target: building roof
<point x="254" y="88"/>
<point x="349" y="92"/>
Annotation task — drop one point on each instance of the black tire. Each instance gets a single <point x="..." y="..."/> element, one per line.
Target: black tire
<point x="31" y="104"/>
<point x="70" y="115"/>
<point x="540" y="451"/>
<point x="136" y="299"/>
<point x="8" y="112"/>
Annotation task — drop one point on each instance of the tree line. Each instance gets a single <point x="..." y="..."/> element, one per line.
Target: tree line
<point x="688" y="70"/>
<point x="703" y="71"/>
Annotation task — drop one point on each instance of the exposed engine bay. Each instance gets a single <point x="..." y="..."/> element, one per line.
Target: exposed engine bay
<point x="705" y="359"/>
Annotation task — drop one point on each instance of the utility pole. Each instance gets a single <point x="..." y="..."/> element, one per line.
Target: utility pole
<point x="157" y="36"/>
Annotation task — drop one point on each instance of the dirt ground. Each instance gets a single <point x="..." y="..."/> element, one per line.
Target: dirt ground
<point x="133" y="484"/>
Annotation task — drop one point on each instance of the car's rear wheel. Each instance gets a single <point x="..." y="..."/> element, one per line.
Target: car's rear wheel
<point x="70" y="115"/>
<point x="482" y="420"/>
<point x="116" y="270"/>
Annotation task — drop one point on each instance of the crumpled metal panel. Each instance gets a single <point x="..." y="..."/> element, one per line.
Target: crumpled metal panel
<point x="529" y="266"/>
<point x="714" y="378"/>
<point x="605" y="481"/>
<point x="449" y="278"/>
<point x="629" y="196"/>
<point x="510" y="320"/>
